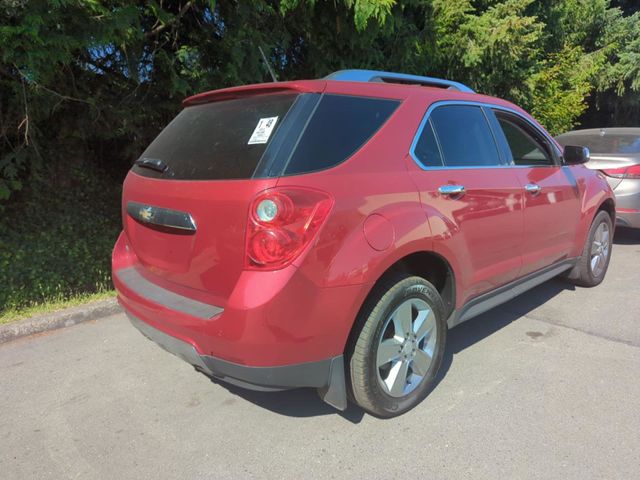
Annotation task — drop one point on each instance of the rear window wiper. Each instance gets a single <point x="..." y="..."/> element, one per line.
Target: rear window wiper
<point x="153" y="164"/>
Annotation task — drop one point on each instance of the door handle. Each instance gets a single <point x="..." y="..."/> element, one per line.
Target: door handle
<point x="451" y="190"/>
<point x="532" y="188"/>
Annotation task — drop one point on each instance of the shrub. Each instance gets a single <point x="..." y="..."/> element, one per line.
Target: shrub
<point x="55" y="242"/>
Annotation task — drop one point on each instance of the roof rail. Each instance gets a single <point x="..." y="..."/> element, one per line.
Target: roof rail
<point x="390" y="77"/>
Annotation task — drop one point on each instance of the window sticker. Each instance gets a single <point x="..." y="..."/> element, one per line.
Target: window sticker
<point x="263" y="130"/>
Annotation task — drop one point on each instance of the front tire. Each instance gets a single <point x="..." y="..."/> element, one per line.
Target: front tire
<point x="594" y="261"/>
<point x="396" y="355"/>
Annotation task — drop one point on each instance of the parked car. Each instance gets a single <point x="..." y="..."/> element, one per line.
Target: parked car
<point x="327" y="233"/>
<point x="616" y="153"/>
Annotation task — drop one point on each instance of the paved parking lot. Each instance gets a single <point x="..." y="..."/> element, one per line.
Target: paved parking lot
<point x="547" y="386"/>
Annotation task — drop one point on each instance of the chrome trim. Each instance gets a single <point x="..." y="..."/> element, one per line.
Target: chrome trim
<point x="451" y="190"/>
<point x="174" y="301"/>
<point x="161" y="217"/>
<point x="532" y="188"/>
<point x="475" y="103"/>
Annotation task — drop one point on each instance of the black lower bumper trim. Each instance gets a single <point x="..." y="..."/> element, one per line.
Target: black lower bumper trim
<point x="326" y="375"/>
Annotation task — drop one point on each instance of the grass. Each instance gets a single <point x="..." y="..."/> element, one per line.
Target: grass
<point x="13" y="315"/>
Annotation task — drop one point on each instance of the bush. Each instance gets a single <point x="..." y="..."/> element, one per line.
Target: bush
<point x="56" y="240"/>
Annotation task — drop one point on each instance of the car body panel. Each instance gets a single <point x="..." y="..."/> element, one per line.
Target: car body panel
<point x="550" y="217"/>
<point x="486" y="223"/>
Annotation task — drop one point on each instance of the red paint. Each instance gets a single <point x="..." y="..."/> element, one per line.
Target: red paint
<point x="379" y="232"/>
<point x="384" y="208"/>
<point x="550" y="218"/>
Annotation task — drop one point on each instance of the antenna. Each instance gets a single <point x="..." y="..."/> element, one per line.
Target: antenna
<point x="266" y="62"/>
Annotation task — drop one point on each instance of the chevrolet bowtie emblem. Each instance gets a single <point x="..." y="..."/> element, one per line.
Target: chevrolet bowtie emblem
<point x="147" y="213"/>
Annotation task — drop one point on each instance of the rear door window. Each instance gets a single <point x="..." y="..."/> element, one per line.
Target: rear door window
<point x="464" y="136"/>
<point x="340" y="125"/>
<point x="218" y="140"/>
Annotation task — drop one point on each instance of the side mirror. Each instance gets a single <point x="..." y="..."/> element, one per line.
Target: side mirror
<point x="575" y="155"/>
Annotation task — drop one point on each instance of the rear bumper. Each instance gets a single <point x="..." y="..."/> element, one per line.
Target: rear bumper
<point x="326" y="375"/>
<point x="270" y="318"/>
<point x="628" y="218"/>
<point x="628" y="203"/>
<point x="277" y="330"/>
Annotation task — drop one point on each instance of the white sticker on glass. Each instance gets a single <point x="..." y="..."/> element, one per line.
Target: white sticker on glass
<point x="263" y="130"/>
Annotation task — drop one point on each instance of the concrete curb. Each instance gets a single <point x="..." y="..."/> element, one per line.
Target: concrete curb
<point x="59" y="319"/>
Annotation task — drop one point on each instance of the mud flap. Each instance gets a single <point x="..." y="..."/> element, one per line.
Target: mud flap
<point x="335" y="394"/>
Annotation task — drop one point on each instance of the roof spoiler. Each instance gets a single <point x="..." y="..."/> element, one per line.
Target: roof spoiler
<point x="391" y="77"/>
<point x="257" y="89"/>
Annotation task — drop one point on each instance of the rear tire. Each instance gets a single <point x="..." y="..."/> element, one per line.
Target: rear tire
<point x="596" y="254"/>
<point x="398" y="350"/>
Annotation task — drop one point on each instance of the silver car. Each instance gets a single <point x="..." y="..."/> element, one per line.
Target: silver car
<point x="616" y="153"/>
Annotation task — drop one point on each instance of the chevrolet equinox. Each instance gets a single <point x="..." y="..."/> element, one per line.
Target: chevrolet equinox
<point x="327" y="233"/>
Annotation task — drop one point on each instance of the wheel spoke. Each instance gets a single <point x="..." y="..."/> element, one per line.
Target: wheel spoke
<point x="605" y="236"/>
<point x="388" y="350"/>
<point x="430" y="344"/>
<point x="421" y="363"/>
<point x="424" y="323"/>
<point x="402" y="320"/>
<point x="397" y="379"/>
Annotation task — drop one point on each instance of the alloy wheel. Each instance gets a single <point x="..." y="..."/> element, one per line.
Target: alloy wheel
<point x="406" y="347"/>
<point x="600" y="249"/>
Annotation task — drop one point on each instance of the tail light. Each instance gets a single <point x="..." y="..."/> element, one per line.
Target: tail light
<point x="282" y="222"/>
<point x="624" y="172"/>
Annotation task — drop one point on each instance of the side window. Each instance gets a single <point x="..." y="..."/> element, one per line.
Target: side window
<point x="465" y="136"/>
<point x="526" y="150"/>
<point x="427" y="150"/>
<point x="340" y="125"/>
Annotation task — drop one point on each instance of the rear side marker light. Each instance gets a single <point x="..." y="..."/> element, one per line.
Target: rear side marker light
<point x="624" y="172"/>
<point x="282" y="223"/>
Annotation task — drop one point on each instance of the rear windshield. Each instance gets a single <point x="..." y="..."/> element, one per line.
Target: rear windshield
<point x="260" y="136"/>
<point x="603" y="143"/>
<point x="220" y="140"/>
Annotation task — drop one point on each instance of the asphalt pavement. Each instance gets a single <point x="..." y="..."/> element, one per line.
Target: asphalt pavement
<point x="546" y="386"/>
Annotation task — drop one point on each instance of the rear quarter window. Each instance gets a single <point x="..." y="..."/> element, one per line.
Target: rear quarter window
<point x="340" y="125"/>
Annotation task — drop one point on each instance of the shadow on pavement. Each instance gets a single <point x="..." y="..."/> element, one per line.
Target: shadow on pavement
<point x="626" y="236"/>
<point x="302" y="402"/>
<point x="483" y="326"/>
<point x="307" y="403"/>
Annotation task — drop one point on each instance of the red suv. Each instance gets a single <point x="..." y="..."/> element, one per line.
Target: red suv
<point x="327" y="233"/>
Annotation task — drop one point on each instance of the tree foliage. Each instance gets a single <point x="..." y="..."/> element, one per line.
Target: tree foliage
<point x="98" y="78"/>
